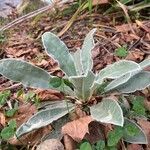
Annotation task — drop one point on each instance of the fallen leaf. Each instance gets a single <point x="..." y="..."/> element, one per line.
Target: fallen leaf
<point x="101" y="58"/>
<point x="43" y="63"/>
<point x="134" y="36"/>
<point x="79" y="112"/>
<point x="135" y="55"/>
<point x="25" y="111"/>
<point x="146" y="91"/>
<point x="96" y="132"/>
<point x="51" y="144"/>
<point x="47" y="63"/>
<point x="98" y="2"/>
<point x="77" y="128"/>
<point x="45" y="95"/>
<point x="31" y="138"/>
<point x="147" y="102"/>
<point x="125" y="27"/>
<point x="2" y="119"/>
<point x="134" y="147"/>
<point x="139" y="23"/>
<point x="69" y="143"/>
<point x="146" y="127"/>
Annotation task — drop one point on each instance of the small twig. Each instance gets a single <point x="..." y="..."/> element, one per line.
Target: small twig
<point x="135" y="44"/>
<point x="34" y="146"/>
<point x="105" y="27"/>
<point x="100" y="44"/>
<point x="144" y="27"/>
<point x="70" y="22"/>
<point x="145" y="51"/>
<point x="109" y="40"/>
<point x="126" y="14"/>
<point x="144" y="43"/>
<point x="11" y="87"/>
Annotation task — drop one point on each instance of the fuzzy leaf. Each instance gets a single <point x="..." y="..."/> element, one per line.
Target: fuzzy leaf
<point x="86" y="55"/>
<point x="121" y="52"/>
<point x="114" y="136"/>
<point x="85" y="145"/>
<point x="7" y="133"/>
<point x="12" y="124"/>
<point x="78" y="62"/>
<point x="62" y="85"/>
<point x="137" y="82"/>
<point x="83" y="85"/>
<point x="117" y="70"/>
<point x="145" y="63"/>
<point x="44" y="117"/>
<point x="59" y="51"/>
<point x="133" y="133"/>
<point x="26" y="73"/>
<point x="100" y="145"/>
<point x="138" y="106"/>
<point x="117" y="82"/>
<point x="55" y="82"/>
<point x="3" y="97"/>
<point x="108" y="111"/>
<point x="57" y="126"/>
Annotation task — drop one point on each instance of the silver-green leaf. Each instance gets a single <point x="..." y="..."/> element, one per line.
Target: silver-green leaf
<point x="57" y="125"/>
<point x="117" y="82"/>
<point x="78" y="62"/>
<point x="83" y="85"/>
<point x="86" y="53"/>
<point x="44" y="117"/>
<point x="117" y="70"/>
<point x="24" y="72"/>
<point x="134" y="133"/>
<point x="145" y="63"/>
<point x="137" y="82"/>
<point x="108" y="111"/>
<point x="59" y="51"/>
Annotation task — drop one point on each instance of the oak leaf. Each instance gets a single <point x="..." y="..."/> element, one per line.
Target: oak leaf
<point x="77" y="128"/>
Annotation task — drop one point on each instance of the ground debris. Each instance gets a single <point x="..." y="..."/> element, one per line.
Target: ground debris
<point x="72" y="128"/>
<point x="52" y="144"/>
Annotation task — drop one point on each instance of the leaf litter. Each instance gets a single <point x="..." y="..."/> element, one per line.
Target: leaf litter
<point x="109" y="37"/>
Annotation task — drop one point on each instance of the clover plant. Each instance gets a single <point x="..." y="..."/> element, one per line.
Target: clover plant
<point x="79" y="82"/>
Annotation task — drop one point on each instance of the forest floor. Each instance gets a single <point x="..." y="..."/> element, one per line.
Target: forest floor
<point x="113" y="33"/>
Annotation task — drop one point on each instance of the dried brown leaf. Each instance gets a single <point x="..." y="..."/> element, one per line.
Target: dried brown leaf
<point x="134" y="147"/>
<point x="25" y="111"/>
<point x="45" y="95"/>
<point x="51" y="144"/>
<point x="125" y="27"/>
<point x="147" y="105"/>
<point x="77" y="128"/>
<point x="2" y="119"/>
<point x="96" y="132"/>
<point x="146" y="127"/>
<point x="43" y="63"/>
<point x="135" y="55"/>
<point x="17" y="53"/>
<point x="139" y="23"/>
<point x="31" y="138"/>
<point x="98" y="2"/>
<point x="69" y="143"/>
